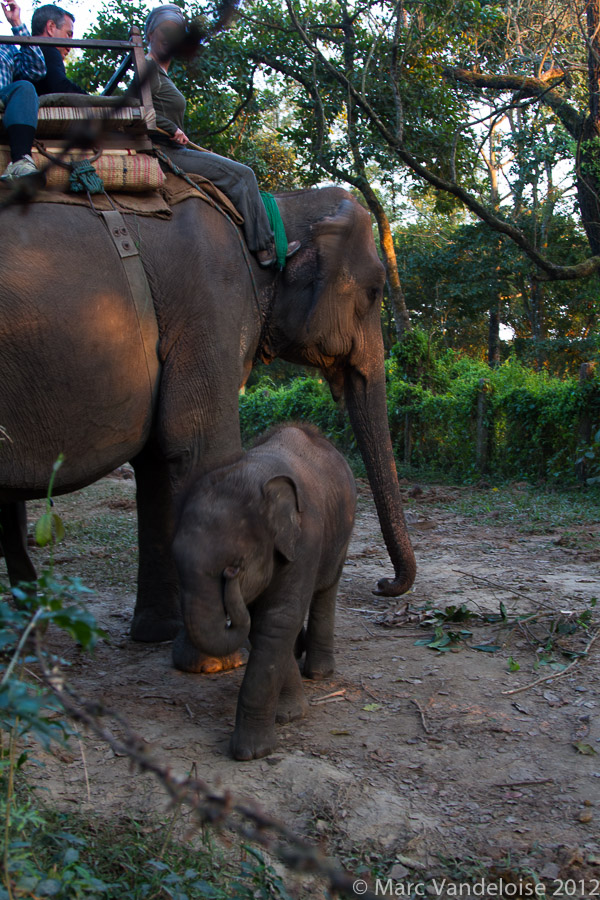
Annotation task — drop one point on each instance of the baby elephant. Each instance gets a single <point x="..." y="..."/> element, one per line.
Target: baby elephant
<point x="260" y="543"/>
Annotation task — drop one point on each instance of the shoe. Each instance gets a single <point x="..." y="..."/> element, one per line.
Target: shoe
<point x="20" y="168"/>
<point x="267" y="258"/>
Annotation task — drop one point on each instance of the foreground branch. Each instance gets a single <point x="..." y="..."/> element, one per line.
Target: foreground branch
<point x="243" y="817"/>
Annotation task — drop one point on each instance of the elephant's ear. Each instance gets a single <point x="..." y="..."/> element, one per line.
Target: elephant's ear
<point x="330" y="236"/>
<point x="283" y="505"/>
<point x="326" y="321"/>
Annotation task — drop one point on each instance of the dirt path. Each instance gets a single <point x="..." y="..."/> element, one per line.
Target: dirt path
<point x="418" y="753"/>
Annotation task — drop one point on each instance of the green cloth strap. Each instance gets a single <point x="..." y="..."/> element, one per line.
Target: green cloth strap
<point x="277" y="225"/>
<point x="83" y="177"/>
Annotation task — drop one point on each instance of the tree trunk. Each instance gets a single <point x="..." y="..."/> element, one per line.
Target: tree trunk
<point x="494" y="335"/>
<point x="397" y="300"/>
<point x="588" y="161"/>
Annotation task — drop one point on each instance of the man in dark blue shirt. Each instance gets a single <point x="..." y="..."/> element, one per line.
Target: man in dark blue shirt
<point x="52" y="21"/>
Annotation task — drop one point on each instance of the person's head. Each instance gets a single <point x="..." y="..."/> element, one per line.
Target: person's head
<point x="164" y="30"/>
<point x="52" y="21"/>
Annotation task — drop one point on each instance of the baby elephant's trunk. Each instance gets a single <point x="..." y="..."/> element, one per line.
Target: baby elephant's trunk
<point x="216" y="628"/>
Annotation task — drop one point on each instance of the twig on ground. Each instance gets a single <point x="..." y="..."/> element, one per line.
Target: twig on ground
<point x="370" y="693"/>
<point x="502" y="587"/>
<point x="426" y="728"/>
<point x="85" y="768"/>
<point x="330" y="698"/>
<point x="555" y="675"/>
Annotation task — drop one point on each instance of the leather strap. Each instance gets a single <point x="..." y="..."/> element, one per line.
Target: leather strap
<point x="139" y="289"/>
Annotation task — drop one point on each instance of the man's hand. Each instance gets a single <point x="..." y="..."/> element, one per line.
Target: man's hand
<point x="12" y="11"/>
<point x="180" y="137"/>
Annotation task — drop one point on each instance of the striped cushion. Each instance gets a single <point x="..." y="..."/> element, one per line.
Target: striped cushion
<point x="121" y="170"/>
<point x="58" y="111"/>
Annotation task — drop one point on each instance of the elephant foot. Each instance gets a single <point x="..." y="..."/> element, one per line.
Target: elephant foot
<point x="252" y="743"/>
<point x="211" y="664"/>
<point x="318" y="665"/>
<point x="188" y="658"/>
<point x="291" y="708"/>
<point x="150" y="628"/>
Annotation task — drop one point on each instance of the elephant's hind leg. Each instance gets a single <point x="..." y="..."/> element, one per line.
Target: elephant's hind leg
<point x="292" y="703"/>
<point x="13" y="537"/>
<point x="156" y="616"/>
<point x="319" y="662"/>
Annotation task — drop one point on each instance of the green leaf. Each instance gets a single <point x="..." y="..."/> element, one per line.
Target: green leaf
<point x="486" y="648"/>
<point x="585" y="749"/>
<point x="43" y="530"/>
<point x="372" y="707"/>
<point x="513" y="665"/>
<point x="48" y="526"/>
<point x="71" y="855"/>
<point x="59" y="528"/>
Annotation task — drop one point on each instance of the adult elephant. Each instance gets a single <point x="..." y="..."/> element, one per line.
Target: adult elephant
<point x="76" y="379"/>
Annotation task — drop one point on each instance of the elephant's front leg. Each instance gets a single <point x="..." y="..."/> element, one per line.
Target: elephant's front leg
<point x="272" y="673"/>
<point x="157" y="616"/>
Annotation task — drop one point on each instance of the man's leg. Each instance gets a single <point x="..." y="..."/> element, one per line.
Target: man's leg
<point x="20" y="120"/>
<point x="237" y="182"/>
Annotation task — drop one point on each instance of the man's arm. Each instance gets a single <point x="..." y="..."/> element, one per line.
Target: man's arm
<point x="29" y="61"/>
<point x="56" y="81"/>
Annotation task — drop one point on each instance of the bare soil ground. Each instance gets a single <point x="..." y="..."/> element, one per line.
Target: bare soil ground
<point x="408" y="754"/>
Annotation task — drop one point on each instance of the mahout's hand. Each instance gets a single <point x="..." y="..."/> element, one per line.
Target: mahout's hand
<point x="12" y="11"/>
<point x="181" y="137"/>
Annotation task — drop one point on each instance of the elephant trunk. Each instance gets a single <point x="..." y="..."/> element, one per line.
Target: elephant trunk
<point x="207" y="624"/>
<point x="367" y="407"/>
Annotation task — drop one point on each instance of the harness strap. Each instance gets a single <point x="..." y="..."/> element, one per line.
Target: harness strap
<point x="139" y="289"/>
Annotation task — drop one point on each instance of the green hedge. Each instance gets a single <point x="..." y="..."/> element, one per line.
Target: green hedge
<point x="533" y="418"/>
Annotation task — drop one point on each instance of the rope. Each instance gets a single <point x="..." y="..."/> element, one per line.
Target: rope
<point x="83" y="177"/>
<point x="276" y="223"/>
<point x="181" y="174"/>
<point x="82" y="174"/>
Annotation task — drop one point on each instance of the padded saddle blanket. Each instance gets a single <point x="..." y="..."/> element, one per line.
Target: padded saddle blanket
<point x="59" y="112"/>
<point x="120" y="170"/>
<point x="157" y="203"/>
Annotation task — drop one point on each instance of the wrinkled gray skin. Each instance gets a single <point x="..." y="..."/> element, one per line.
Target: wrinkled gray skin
<point x="260" y="545"/>
<point x="75" y="379"/>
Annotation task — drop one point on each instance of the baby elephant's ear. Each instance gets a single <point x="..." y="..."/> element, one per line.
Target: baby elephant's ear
<point x="283" y="504"/>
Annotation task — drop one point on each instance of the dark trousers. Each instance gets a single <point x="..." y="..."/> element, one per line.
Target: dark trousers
<point x="20" y="104"/>
<point x="237" y="182"/>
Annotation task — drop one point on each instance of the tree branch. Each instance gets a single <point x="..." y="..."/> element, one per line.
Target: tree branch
<point x="548" y="270"/>
<point x="539" y="88"/>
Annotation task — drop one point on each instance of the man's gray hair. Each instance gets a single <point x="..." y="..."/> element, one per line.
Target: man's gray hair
<point x="48" y="13"/>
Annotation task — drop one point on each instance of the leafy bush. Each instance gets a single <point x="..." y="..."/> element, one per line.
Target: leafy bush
<point x="532" y="417"/>
<point x="302" y="399"/>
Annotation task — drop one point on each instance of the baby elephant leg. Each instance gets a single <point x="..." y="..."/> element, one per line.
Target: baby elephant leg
<point x="272" y="687"/>
<point x="319" y="661"/>
<point x="292" y="702"/>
